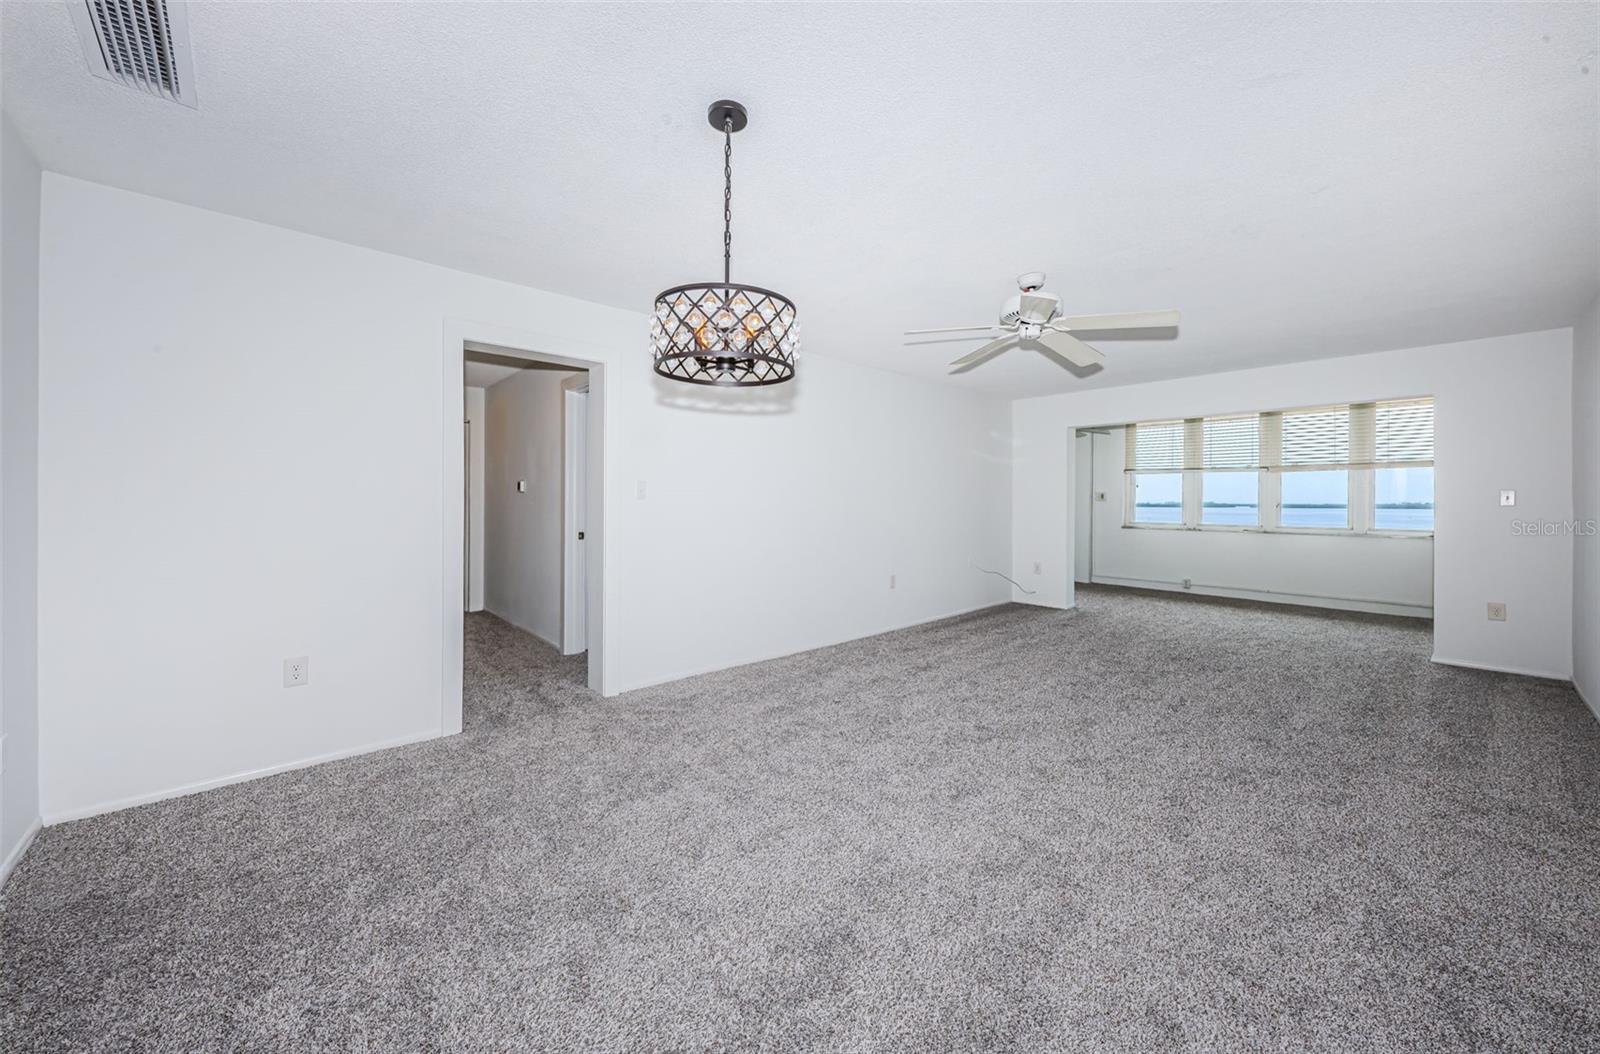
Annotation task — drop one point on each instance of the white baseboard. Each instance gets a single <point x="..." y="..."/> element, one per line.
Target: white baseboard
<point x="115" y="805"/>
<point x="526" y="629"/>
<point x="1592" y="704"/>
<point x="832" y="643"/>
<point x="1491" y="668"/>
<point x="1302" y="600"/>
<point x="14" y="857"/>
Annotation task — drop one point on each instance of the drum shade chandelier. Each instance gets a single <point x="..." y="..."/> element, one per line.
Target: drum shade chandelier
<point x="724" y="333"/>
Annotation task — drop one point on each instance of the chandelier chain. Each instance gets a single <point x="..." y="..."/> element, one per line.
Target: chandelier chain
<point x="727" y="200"/>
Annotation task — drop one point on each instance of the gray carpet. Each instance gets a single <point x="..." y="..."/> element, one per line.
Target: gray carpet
<point x="1152" y="824"/>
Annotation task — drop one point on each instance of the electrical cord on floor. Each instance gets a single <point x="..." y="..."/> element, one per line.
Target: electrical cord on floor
<point x="1008" y="578"/>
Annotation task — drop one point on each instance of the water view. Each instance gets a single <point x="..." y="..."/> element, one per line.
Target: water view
<point x="1403" y="518"/>
<point x="1313" y="499"/>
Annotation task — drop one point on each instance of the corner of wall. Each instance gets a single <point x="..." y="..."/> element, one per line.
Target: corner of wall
<point x="20" y="185"/>
<point x="14" y="856"/>
<point x="1586" y="505"/>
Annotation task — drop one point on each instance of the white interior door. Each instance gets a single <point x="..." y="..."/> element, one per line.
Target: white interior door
<point x="575" y="559"/>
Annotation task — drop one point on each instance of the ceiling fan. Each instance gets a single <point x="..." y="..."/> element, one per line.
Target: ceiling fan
<point x="1033" y="318"/>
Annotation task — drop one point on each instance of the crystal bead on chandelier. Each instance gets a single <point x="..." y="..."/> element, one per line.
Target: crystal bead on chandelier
<point x="724" y="333"/>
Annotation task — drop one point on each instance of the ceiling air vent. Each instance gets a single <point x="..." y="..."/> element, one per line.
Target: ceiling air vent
<point x="143" y="44"/>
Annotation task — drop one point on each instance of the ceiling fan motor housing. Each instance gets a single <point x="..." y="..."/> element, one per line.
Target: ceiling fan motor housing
<point x="1011" y="313"/>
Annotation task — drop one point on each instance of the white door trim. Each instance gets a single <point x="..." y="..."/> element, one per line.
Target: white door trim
<point x="574" y="472"/>
<point x="458" y="333"/>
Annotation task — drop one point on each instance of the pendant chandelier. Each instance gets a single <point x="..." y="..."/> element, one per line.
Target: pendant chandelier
<point x="725" y="333"/>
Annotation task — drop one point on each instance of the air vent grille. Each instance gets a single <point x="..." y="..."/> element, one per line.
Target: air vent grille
<point x="143" y="44"/>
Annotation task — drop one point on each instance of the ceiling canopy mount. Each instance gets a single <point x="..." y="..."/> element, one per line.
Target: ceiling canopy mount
<point x="725" y="114"/>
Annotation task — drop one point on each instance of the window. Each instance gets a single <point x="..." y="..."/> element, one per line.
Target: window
<point x="1315" y="499"/>
<point x="1158" y="497"/>
<point x="1311" y="497"/>
<point x="1155" y="454"/>
<point x="1230" y="484"/>
<point x="1358" y="468"/>
<point x="1402" y="499"/>
<point x="1402" y="474"/>
<point x="1231" y="499"/>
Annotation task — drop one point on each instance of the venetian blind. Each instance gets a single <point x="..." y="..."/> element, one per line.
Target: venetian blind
<point x="1231" y="442"/>
<point x="1154" y="446"/>
<point x="1317" y="438"/>
<point x="1357" y="435"/>
<point x="1403" y="432"/>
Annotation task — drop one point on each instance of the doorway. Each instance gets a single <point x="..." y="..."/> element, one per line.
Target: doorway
<point x="526" y="484"/>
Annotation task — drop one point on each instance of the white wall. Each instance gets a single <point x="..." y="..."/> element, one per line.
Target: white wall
<point x="1586" y="506"/>
<point x="475" y="414"/>
<point x="1373" y="573"/>
<point x="210" y="506"/>
<point x="1503" y="420"/>
<point x="522" y="530"/>
<point x="1082" y="531"/>
<point x="19" y="506"/>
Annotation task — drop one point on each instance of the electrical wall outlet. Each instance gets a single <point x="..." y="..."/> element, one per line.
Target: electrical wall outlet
<point x="1497" y="611"/>
<point x="296" y="671"/>
<point x="1188" y="583"/>
<point x="1508" y="497"/>
<point x="1038" y="568"/>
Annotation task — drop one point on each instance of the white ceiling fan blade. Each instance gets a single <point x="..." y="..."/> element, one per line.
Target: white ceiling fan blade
<point x="1124" y="320"/>
<point x="951" y="329"/>
<point x="994" y="347"/>
<point x="1072" y="349"/>
<point x="1037" y="307"/>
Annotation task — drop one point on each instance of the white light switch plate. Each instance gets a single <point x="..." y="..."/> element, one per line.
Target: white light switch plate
<point x="1508" y="497"/>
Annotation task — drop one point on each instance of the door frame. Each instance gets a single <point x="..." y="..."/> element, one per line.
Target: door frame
<point x="574" y="519"/>
<point x="458" y="335"/>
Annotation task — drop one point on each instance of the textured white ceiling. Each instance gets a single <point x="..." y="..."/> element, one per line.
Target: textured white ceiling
<point x="1300" y="180"/>
<point x="487" y="374"/>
